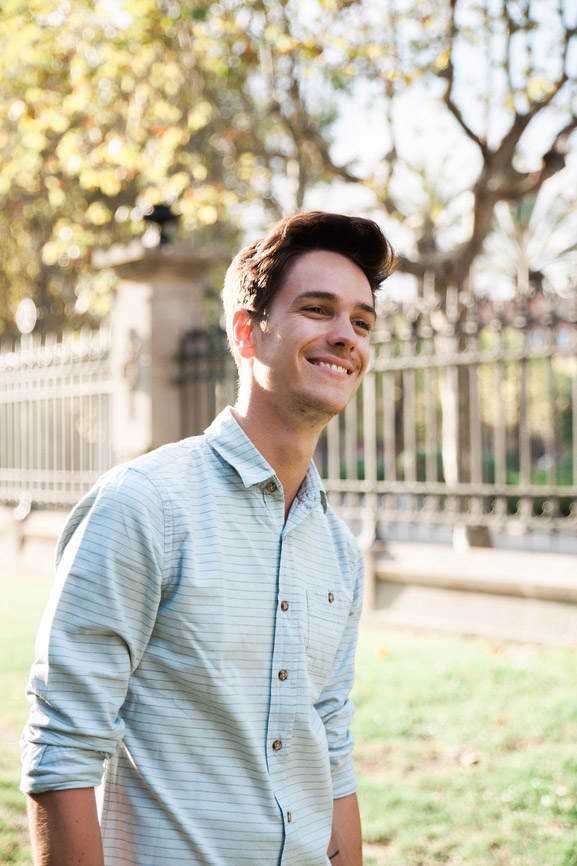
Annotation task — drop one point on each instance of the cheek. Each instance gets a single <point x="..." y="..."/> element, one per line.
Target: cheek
<point x="365" y="354"/>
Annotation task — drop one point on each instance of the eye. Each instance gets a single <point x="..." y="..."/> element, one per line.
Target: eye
<point x="363" y="325"/>
<point x="314" y="308"/>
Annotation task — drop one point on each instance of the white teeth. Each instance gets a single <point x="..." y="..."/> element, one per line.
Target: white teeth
<point x="333" y="367"/>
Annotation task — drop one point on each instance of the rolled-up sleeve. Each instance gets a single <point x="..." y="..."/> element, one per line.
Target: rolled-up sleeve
<point x="334" y="705"/>
<point x="94" y="631"/>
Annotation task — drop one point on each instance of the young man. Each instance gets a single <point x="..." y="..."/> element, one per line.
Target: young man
<point x="198" y="649"/>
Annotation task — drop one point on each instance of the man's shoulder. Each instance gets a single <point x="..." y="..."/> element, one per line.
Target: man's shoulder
<point x="154" y="480"/>
<point x="141" y="490"/>
<point x="162" y="462"/>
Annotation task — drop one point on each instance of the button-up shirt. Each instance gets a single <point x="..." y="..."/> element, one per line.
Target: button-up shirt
<point x="197" y="654"/>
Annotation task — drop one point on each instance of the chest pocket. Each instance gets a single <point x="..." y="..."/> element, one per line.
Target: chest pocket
<point x="327" y="614"/>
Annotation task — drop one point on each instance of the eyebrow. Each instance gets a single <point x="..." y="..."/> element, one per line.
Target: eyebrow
<point x="329" y="296"/>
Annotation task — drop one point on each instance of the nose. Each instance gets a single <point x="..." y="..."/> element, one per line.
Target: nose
<point x="343" y="333"/>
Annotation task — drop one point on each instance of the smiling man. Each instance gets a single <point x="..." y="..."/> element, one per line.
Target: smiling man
<point x="197" y="653"/>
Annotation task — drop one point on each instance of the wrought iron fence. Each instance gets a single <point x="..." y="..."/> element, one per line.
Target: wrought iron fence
<point x="55" y="418"/>
<point x="467" y="416"/>
<point x="207" y="378"/>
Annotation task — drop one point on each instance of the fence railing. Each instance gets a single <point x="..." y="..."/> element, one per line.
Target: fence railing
<point x="467" y="416"/>
<point x="55" y="418"/>
<point x="207" y="378"/>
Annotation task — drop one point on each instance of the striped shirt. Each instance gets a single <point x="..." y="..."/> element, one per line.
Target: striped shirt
<point x="196" y="655"/>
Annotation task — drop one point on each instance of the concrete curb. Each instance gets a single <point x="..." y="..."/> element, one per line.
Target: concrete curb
<point x="551" y="577"/>
<point x="508" y="595"/>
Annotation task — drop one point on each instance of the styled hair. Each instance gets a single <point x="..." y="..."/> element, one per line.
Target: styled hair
<point x="258" y="271"/>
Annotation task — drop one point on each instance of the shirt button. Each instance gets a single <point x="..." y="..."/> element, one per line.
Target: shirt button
<point x="289" y="817"/>
<point x="331" y="598"/>
<point x="284" y="605"/>
<point x="277" y="745"/>
<point x="271" y="487"/>
<point x="282" y="675"/>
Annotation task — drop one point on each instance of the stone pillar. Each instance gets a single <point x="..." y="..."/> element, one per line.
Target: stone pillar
<point x="158" y="298"/>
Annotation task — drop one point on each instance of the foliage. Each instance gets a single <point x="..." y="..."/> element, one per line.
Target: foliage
<point x="503" y="72"/>
<point x="107" y="111"/>
<point x="234" y="113"/>
<point x="532" y="247"/>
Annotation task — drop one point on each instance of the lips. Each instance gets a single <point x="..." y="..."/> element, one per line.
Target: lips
<point x="331" y="365"/>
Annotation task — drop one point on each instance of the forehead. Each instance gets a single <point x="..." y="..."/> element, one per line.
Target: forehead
<point x="325" y="271"/>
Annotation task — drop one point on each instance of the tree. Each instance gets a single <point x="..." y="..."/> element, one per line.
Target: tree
<point x="502" y="72"/>
<point x="231" y="113"/>
<point x="532" y="247"/>
<point x="107" y="110"/>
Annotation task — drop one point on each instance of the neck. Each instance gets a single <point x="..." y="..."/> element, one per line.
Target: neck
<point x="284" y="443"/>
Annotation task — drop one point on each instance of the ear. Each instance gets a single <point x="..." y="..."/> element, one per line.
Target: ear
<point x="242" y="333"/>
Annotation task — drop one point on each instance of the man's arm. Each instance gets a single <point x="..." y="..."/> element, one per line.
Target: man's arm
<point x="345" y="847"/>
<point x="336" y="709"/>
<point x="64" y="828"/>
<point x="94" y="632"/>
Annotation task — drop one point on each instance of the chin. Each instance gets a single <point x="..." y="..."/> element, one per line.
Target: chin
<point x="316" y="409"/>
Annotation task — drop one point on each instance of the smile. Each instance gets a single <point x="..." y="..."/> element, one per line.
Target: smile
<point x="336" y="367"/>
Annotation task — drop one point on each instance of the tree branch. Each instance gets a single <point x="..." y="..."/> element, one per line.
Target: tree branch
<point x="448" y="73"/>
<point x="553" y="161"/>
<point x="304" y="129"/>
<point x="456" y="112"/>
<point x="408" y="266"/>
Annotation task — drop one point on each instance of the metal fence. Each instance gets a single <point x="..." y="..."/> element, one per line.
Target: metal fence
<point x="55" y="418"/>
<point x="467" y="417"/>
<point x="207" y="378"/>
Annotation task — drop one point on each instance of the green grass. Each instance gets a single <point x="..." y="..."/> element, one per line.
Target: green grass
<point x="466" y="749"/>
<point x="23" y="599"/>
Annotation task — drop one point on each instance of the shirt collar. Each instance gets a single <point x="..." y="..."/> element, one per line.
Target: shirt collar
<point x="231" y="442"/>
<point x="312" y="488"/>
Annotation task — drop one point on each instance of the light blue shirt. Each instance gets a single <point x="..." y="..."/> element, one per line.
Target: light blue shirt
<point x="197" y="653"/>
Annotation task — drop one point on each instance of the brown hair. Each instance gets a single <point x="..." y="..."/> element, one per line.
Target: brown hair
<point x="257" y="272"/>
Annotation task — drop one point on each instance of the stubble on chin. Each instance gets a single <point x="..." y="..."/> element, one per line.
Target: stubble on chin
<point x="316" y="413"/>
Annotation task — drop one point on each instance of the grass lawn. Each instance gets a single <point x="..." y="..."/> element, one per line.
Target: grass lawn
<point x="23" y="600"/>
<point x="466" y="749"/>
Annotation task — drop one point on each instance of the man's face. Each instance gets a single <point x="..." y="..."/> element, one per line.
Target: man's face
<point x="312" y="349"/>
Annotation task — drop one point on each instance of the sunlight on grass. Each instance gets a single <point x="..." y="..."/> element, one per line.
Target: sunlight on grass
<point x="466" y="751"/>
<point x="23" y="599"/>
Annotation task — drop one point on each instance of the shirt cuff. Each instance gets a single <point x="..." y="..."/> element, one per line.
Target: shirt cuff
<point x="345" y="786"/>
<point x="52" y="768"/>
<point x="343" y="769"/>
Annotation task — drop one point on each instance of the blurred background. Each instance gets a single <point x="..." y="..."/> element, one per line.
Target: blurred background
<point x="142" y="142"/>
